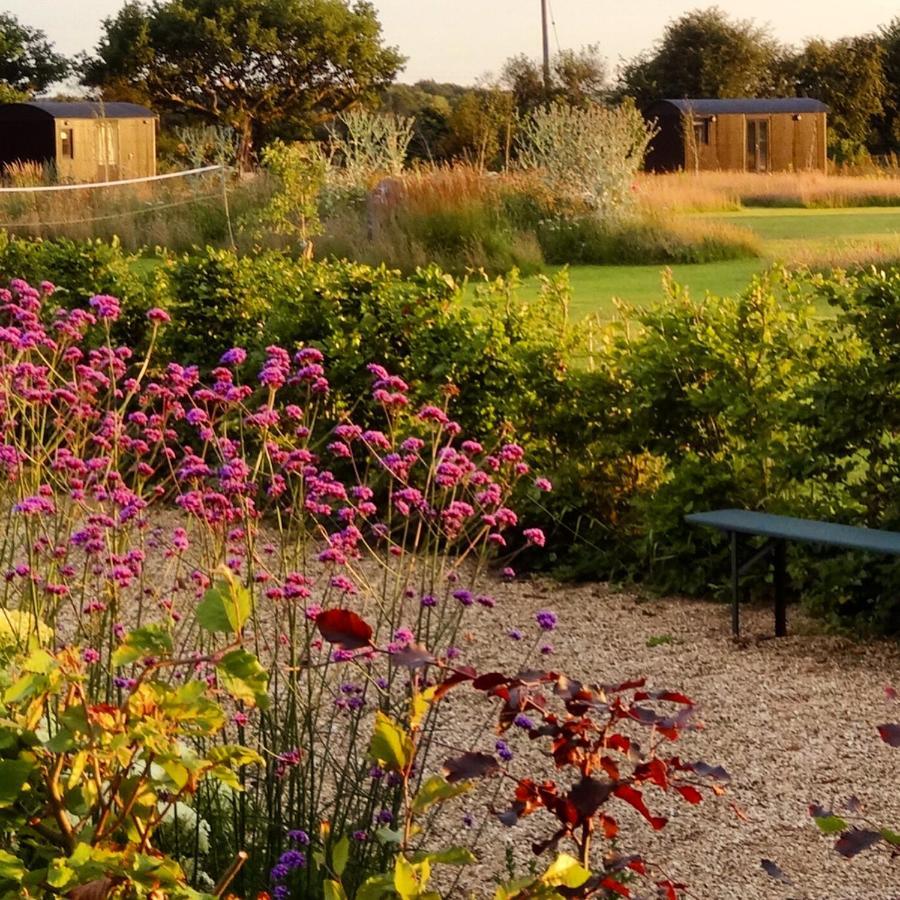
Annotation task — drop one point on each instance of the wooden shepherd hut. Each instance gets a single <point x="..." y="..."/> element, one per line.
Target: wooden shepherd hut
<point x="755" y="135"/>
<point x="84" y="141"/>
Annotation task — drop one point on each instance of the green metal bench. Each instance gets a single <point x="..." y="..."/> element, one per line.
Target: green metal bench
<point x="779" y="530"/>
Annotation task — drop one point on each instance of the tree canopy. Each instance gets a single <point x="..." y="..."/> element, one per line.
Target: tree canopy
<point x="848" y="75"/>
<point x="249" y="64"/>
<point x="705" y="53"/>
<point x="28" y="62"/>
<point x="577" y="78"/>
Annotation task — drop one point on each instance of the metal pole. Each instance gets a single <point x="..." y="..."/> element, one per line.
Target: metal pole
<point x="735" y="586"/>
<point x="546" y="39"/>
<point x="780" y="585"/>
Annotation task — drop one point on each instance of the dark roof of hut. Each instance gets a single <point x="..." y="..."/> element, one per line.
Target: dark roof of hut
<point x="752" y="106"/>
<point x="83" y="109"/>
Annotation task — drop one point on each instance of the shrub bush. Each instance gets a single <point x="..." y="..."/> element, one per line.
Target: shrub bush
<point x="753" y="400"/>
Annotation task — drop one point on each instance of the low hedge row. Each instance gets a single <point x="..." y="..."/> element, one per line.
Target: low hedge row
<point x="754" y="400"/>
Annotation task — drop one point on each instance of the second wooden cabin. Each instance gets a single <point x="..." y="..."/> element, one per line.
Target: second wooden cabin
<point x="749" y="135"/>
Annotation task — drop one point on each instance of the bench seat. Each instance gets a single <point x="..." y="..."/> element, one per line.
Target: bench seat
<point x="779" y="530"/>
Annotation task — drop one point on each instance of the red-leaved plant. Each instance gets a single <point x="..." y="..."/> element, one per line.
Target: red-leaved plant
<point x="593" y="734"/>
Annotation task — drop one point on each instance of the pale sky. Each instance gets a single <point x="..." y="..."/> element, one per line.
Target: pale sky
<point x="460" y="40"/>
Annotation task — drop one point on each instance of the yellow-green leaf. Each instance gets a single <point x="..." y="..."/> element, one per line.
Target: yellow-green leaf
<point x="435" y="789"/>
<point x="226" y="606"/>
<point x="391" y="746"/>
<point x="334" y="891"/>
<point x="340" y="854"/>
<point x="565" y="871"/>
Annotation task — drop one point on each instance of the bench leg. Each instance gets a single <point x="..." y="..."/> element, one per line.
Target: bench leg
<point x="780" y="584"/>
<point x="735" y="587"/>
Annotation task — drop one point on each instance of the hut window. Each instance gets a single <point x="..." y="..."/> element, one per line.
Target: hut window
<point x="66" y="144"/>
<point x="701" y="131"/>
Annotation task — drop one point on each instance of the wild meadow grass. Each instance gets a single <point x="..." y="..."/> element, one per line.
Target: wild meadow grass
<point x="714" y="191"/>
<point x="176" y="214"/>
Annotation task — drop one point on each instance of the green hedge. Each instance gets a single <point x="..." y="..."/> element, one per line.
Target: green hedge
<point x="754" y="400"/>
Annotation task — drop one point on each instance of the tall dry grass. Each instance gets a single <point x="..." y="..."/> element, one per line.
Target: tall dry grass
<point x="177" y="214"/>
<point x="720" y="191"/>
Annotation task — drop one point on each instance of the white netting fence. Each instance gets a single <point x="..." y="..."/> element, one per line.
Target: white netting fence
<point x="140" y="211"/>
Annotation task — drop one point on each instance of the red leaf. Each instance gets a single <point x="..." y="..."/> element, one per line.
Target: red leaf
<point x="855" y="841"/>
<point x="890" y="692"/>
<point x="634" y="797"/>
<point x="491" y="680"/>
<point x="654" y="771"/>
<point x="344" y="629"/>
<point x="890" y="733"/>
<point x="624" y="686"/>
<point x="609" y="825"/>
<point x="412" y="656"/>
<point x="615" y="886"/>
<point x="464" y="673"/>
<point x="667" y="889"/>
<point x="691" y="794"/>
<point x="671" y="696"/>
<point x="470" y="765"/>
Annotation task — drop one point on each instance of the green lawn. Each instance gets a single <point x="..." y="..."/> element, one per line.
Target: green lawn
<point x="784" y="232"/>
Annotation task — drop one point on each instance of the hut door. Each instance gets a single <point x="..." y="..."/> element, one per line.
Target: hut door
<point x="108" y="149"/>
<point x="757" y="145"/>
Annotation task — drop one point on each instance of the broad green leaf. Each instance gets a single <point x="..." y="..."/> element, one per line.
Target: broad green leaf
<point x="150" y="640"/>
<point x="891" y="836"/>
<point x="242" y="675"/>
<point x="389" y="835"/>
<point x="391" y="746"/>
<point x="13" y="777"/>
<point x="435" y="789"/>
<point x="334" y="891"/>
<point x="375" y="888"/>
<point x="25" y="687"/>
<point x="450" y="856"/>
<point x="225" y="607"/>
<point x="58" y="873"/>
<point x="11" y="867"/>
<point x="831" y="824"/>
<point x="176" y="771"/>
<point x="340" y="854"/>
<point x="565" y="871"/>
<point x="40" y="662"/>
<point x="234" y="755"/>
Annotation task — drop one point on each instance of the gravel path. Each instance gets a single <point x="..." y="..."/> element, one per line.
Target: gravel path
<point x="793" y="720"/>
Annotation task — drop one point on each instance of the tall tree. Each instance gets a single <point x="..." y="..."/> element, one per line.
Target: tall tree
<point x="889" y="124"/>
<point x="249" y="64"/>
<point x="28" y="62"/>
<point x="705" y="53"/>
<point x="577" y="78"/>
<point x="848" y="75"/>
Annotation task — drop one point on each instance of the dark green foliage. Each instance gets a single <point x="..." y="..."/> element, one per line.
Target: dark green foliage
<point x="849" y="76"/>
<point x="577" y="77"/>
<point x="586" y="240"/>
<point x="82" y="269"/>
<point x="753" y="401"/>
<point x="705" y="53"/>
<point x="28" y="62"/>
<point x="249" y="64"/>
